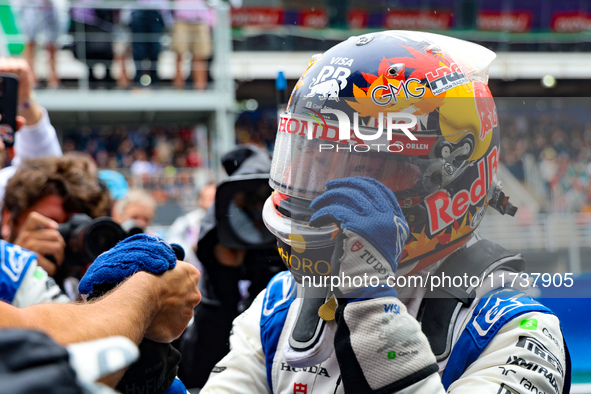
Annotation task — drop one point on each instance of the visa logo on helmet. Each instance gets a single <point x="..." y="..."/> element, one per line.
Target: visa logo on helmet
<point x="443" y="209"/>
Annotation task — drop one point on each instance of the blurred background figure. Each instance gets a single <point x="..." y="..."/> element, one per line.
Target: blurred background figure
<point x="234" y="267"/>
<point x="147" y="25"/>
<point x="92" y="29"/>
<point x="191" y="34"/>
<point x="137" y="208"/>
<point x="115" y="182"/>
<point x="121" y="47"/>
<point x="41" y="20"/>
<point x="43" y="193"/>
<point x="185" y="229"/>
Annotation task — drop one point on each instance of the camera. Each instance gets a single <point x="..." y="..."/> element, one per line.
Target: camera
<point x="131" y="227"/>
<point x="239" y="202"/>
<point x="87" y="238"/>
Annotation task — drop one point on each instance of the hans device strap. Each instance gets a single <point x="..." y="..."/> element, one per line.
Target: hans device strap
<point x="440" y="307"/>
<point x="308" y="327"/>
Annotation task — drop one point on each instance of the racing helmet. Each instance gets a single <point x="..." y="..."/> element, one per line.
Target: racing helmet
<point x="410" y="109"/>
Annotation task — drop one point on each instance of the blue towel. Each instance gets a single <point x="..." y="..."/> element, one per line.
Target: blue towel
<point x="140" y="252"/>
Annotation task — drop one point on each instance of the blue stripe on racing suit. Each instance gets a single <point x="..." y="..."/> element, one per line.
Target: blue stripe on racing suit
<point x="279" y="295"/>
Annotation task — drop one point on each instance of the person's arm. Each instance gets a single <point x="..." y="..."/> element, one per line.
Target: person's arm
<point x="157" y="307"/>
<point x="27" y="108"/>
<point x="36" y="137"/>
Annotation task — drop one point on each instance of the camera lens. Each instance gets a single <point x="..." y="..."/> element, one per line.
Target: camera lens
<point x="101" y="236"/>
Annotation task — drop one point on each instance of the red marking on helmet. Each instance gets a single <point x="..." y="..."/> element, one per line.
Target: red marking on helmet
<point x="282" y="122"/>
<point x="487" y="111"/>
<point x="369" y="77"/>
<point x="324" y="131"/>
<point x="277" y="197"/>
<point x="443" y="209"/>
<point x="290" y="126"/>
<point x="420" y="62"/>
<point x="478" y="188"/>
<point x="444" y="238"/>
<point x="460" y="203"/>
<point x="437" y="208"/>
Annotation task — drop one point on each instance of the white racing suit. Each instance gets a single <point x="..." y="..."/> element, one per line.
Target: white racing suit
<point x="501" y="341"/>
<point x="22" y="281"/>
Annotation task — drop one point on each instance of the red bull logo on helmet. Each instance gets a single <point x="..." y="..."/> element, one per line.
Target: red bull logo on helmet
<point x="444" y="209"/>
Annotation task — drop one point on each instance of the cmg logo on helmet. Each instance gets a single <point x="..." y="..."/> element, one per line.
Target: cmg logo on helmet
<point x="443" y="209"/>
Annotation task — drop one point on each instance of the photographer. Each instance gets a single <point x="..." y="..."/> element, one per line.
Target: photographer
<point x="140" y="307"/>
<point x="36" y="137"/>
<point x="43" y="193"/>
<point x="238" y="256"/>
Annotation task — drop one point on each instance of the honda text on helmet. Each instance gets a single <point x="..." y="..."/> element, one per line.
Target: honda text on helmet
<point x="410" y="109"/>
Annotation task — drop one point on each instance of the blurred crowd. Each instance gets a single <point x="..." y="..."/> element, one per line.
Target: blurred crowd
<point x="559" y="142"/>
<point x="141" y="150"/>
<point x="164" y="159"/>
<point x="104" y="38"/>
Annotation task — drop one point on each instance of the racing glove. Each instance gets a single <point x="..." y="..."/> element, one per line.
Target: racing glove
<point x="379" y="346"/>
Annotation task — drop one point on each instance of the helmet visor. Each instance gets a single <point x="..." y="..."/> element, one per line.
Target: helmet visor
<point x="411" y="168"/>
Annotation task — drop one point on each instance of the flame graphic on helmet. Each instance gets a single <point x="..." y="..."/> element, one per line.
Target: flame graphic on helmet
<point x="465" y="107"/>
<point x="417" y="243"/>
<point x="412" y="78"/>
